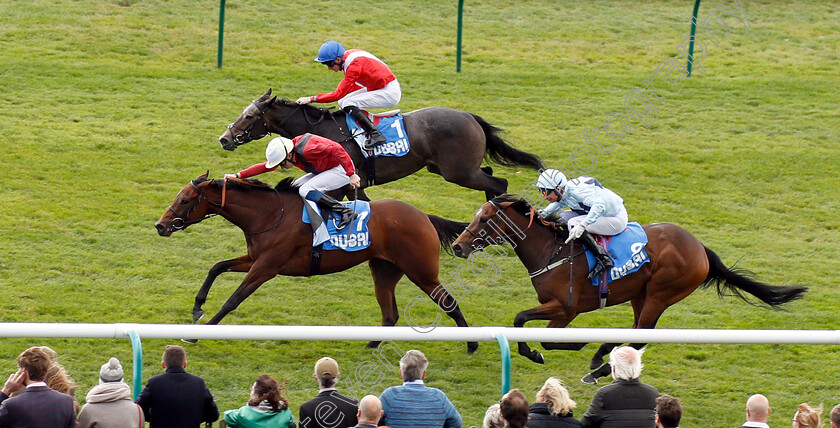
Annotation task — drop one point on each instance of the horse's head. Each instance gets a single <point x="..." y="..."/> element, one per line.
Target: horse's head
<point x="492" y="225"/>
<point x="250" y="125"/>
<point x="190" y="207"/>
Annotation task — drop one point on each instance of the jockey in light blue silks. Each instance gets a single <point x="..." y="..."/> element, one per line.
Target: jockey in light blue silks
<point x="592" y="208"/>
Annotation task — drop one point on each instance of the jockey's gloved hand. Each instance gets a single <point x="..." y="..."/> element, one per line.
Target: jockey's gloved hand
<point x="304" y="100"/>
<point x="576" y="232"/>
<point x="232" y="175"/>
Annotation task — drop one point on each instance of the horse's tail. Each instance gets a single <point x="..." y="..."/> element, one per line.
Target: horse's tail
<point x="447" y="230"/>
<point x="501" y="152"/>
<point x="738" y="281"/>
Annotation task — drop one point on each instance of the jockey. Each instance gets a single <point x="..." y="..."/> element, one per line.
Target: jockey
<point x="367" y="83"/>
<point x="327" y="165"/>
<point x="593" y="208"/>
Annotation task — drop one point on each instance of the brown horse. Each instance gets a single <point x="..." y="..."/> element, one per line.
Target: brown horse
<point x="449" y="142"/>
<point x="403" y="241"/>
<point x="679" y="264"/>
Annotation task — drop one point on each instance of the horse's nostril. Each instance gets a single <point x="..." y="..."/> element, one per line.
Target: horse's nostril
<point x="160" y="228"/>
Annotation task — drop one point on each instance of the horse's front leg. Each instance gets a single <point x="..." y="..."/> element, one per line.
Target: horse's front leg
<point x="239" y="264"/>
<point x="257" y="275"/>
<point x="547" y="311"/>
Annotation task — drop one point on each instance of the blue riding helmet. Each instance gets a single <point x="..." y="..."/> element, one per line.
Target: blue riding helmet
<point x="329" y="51"/>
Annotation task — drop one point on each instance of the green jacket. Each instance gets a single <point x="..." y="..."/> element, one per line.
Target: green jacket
<point x="251" y="417"/>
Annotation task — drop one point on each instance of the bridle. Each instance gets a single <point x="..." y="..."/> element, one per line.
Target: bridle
<point x="245" y="135"/>
<point x="179" y="222"/>
<point x="502" y="237"/>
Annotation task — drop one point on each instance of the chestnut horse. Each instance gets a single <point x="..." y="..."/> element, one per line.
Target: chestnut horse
<point x="449" y="142"/>
<point x="679" y="264"/>
<point x="403" y="241"/>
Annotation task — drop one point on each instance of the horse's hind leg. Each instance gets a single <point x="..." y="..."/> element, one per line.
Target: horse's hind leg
<point x="606" y="348"/>
<point x="385" y="278"/>
<point x="239" y="264"/>
<point x="448" y="304"/>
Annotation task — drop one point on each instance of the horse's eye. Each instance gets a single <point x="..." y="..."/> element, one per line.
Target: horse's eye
<point x="249" y="117"/>
<point x="185" y="201"/>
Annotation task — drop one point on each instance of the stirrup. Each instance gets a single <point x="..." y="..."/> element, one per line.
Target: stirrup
<point x="373" y="140"/>
<point x="345" y="219"/>
<point x="598" y="269"/>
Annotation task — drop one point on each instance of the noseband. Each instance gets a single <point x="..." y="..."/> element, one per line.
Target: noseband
<point x="501" y="236"/>
<point x="179" y="222"/>
<point x="245" y="135"/>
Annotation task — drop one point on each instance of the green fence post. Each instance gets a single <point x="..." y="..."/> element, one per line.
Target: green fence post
<point x="460" y="26"/>
<point x="504" y="347"/>
<point x="221" y="32"/>
<point x="691" y="40"/>
<point x="137" y="348"/>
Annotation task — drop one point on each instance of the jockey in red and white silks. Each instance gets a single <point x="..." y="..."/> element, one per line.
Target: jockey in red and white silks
<point x="368" y="83"/>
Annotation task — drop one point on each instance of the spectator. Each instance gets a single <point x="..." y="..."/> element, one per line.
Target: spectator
<point x="109" y="404"/>
<point x="329" y="408"/>
<point x="369" y="413"/>
<point x="668" y="412"/>
<point x="553" y="407"/>
<point x="56" y="377"/>
<point x="413" y="404"/>
<point x="758" y="412"/>
<point x="627" y="401"/>
<point x="514" y="407"/>
<point x="177" y="398"/>
<point x="835" y="417"/>
<point x="493" y="417"/>
<point x="266" y="407"/>
<point x="807" y="416"/>
<point x="39" y="406"/>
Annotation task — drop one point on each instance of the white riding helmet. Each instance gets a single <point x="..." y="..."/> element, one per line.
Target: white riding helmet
<point x="277" y="150"/>
<point x="551" y="179"/>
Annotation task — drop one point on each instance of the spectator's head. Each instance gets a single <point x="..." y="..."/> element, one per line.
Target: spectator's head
<point x="807" y="416"/>
<point x="36" y="362"/>
<point x="51" y="354"/>
<point x="493" y="417"/>
<point x="174" y="356"/>
<point x="413" y="366"/>
<point x="626" y="363"/>
<point x="557" y="397"/>
<point x="668" y="412"/>
<point x="326" y="372"/>
<point x="370" y="410"/>
<point x="514" y="407"/>
<point x="111" y="371"/>
<point x="266" y="390"/>
<point x="758" y="408"/>
<point x="835" y="417"/>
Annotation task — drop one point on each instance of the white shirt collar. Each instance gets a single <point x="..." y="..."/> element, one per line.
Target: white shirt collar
<point x="326" y="389"/>
<point x="33" y="384"/>
<point x="415" y="382"/>
<point x="756" y="424"/>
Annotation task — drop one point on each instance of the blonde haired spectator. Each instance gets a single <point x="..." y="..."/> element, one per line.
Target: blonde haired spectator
<point x="807" y="416"/>
<point x="553" y="407"/>
<point x="493" y="417"/>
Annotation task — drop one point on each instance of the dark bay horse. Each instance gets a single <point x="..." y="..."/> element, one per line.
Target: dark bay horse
<point x="403" y="241"/>
<point x="449" y="142"/>
<point x="679" y="264"/>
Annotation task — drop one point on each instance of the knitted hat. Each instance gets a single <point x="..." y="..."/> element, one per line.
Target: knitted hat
<point x="111" y="371"/>
<point x="326" y="366"/>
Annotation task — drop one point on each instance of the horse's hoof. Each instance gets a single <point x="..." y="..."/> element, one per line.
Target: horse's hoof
<point x="471" y="347"/>
<point x="197" y="316"/>
<point x="537" y="357"/>
<point x="589" y="379"/>
<point x="189" y="340"/>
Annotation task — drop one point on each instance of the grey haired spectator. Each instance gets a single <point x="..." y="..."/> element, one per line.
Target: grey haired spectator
<point x="627" y="401"/>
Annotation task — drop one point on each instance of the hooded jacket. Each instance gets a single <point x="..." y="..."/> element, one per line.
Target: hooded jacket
<point x="109" y="405"/>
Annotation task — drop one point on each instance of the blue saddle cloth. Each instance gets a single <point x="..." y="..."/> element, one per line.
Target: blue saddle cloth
<point x="396" y="140"/>
<point x="627" y="251"/>
<point x="355" y="236"/>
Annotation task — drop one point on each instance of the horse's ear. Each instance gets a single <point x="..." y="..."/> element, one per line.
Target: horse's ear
<point x="268" y="93"/>
<point x="273" y="99"/>
<point x="203" y="176"/>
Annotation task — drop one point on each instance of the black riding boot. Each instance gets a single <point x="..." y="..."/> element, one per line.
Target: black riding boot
<point x="374" y="137"/>
<point x="347" y="215"/>
<point x="604" y="260"/>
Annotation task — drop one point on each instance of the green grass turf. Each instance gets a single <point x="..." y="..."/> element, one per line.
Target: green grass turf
<point x="107" y="108"/>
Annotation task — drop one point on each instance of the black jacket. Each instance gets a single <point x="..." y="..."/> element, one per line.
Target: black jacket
<point x="327" y="410"/>
<point x="177" y="399"/>
<point x="622" y="404"/>
<point x="540" y="417"/>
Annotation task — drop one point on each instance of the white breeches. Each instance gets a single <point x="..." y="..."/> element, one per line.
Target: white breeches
<point x="386" y="97"/>
<point x="330" y="179"/>
<point x="604" y="225"/>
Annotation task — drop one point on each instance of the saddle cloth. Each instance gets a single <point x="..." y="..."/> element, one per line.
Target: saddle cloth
<point x="355" y="236"/>
<point x="627" y="251"/>
<point x="390" y="124"/>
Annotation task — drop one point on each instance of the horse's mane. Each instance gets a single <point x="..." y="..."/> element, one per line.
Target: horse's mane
<point x="307" y="108"/>
<point x="519" y="204"/>
<point x="285" y="185"/>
